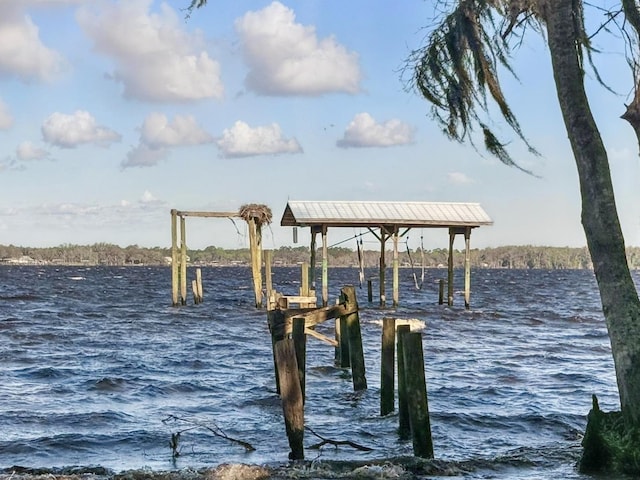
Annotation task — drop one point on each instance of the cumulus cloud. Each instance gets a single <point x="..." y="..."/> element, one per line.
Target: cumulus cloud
<point x="27" y="151"/>
<point x="364" y="131"/>
<point x="158" y="132"/>
<point x="22" y="53"/>
<point x="158" y="135"/>
<point x="144" y="156"/>
<point x="155" y="58"/>
<point x="287" y="58"/>
<point x="243" y="141"/>
<point x="69" y="131"/>
<point x="6" y="120"/>
<point x="459" y="178"/>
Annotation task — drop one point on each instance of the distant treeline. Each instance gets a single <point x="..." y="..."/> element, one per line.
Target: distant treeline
<point x="521" y="257"/>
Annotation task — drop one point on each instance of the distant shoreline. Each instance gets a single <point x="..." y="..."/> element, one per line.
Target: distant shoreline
<point x="506" y="257"/>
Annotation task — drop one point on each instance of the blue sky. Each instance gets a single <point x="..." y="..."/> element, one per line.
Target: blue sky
<point x="113" y="112"/>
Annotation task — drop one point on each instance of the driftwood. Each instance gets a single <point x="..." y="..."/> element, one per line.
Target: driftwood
<point x="194" y="424"/>
<point x="336" y="443"/>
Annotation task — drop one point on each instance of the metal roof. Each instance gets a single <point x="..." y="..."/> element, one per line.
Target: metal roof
<point x="376" y="214"/>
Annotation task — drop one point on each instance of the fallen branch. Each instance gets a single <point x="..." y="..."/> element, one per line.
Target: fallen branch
<point x="336" y="442"/>
<point x="193" y="424"/>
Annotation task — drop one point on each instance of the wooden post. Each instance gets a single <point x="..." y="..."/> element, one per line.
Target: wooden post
<point x="255" y="245"/>
<point x="300" y="345"/>
<point x="268" y="277"/>
<point x="194" y="288"/>
<point x="342" y="338"/>
<point x="387" y="377"/>
<point x="383" y="239"/>
<point x="369" y="291"/>
<point x="396" y="282"/>
<point x="174" y="258"/>
<point x="356" y="353"/>
<point x="325" y="267"/>
<point x="291" y="397"/>
<point x="467" y="267"/>
<point x="183" y="260"/>
<point x="276" y="321"/>
<point x="304" y="280"/>
<point x="312" y="259"/>
<point x="441" y="292"/>
<point x="452" y="236"/>
<point x="416" y="387"/>
<point x="199" y="285"/>
<point x="404" y="426"/>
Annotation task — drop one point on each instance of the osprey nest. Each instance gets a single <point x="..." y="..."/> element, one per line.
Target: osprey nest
<point x="260" y="213"/>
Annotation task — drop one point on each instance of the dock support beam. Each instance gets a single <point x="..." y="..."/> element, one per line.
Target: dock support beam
<point x="383" y="241"/>
<point x="396" y="264"/>
<point x="183" y="260"/>
<point x="255" y="244"/>
<point x="312" y="259"/>
<point x="175" y="301"/>
<point x="325" y="267"/>
<point x="466" y="231"/>
<point x="467" y="267"/>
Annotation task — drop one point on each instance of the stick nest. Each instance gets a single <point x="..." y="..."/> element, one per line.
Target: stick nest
<point x="260" y="213"/>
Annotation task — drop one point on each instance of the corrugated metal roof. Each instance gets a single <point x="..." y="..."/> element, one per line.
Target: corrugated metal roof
<point x="403" y="214"/>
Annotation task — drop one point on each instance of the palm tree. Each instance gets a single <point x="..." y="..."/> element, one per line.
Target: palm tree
<point x="457" y="73"/>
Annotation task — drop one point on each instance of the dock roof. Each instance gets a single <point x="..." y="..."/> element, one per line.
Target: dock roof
<point x="378" y="214"/>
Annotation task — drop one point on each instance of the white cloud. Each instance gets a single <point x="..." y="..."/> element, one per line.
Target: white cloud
<point x="144" y="156"/>
<point x="22" y="53"/>
<point x="158" y="135"/>
<point x="27" y="151"/>
<point x="363" y="131"/>
<point x="243" y="141"/>
<point x="155" y="59"/>
<point x="69" y="131"/>
<point x="459" y="178"/>
<point x="6" y="120"/>
<point x="287" y="58"/>
<point x="158" y="132"/>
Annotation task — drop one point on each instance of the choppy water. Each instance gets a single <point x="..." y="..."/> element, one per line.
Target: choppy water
<point x="94" y="361"/>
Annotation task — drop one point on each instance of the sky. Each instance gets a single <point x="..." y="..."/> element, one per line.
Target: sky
<point x="113" y="112"/>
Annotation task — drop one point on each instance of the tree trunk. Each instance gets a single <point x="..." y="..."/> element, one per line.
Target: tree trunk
<point x="618" y="294"/>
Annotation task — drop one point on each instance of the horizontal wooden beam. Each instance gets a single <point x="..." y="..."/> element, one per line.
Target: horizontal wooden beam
<point x="184" y="213"/>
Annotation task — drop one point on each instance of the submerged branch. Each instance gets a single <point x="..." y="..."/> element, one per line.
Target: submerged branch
<point x="215" y="430"/>
<point x="336" y="442"/>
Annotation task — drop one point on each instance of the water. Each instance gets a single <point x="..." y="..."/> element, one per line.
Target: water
<point x="99" y="369"/>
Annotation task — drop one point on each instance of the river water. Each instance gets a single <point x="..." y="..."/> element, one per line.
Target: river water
<point x="97" y="369"/>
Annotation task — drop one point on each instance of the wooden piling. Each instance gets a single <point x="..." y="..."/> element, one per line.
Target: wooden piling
<point x="183" y="260"/>
<point x="291" y="396"/>
<point x="174" y="258"/>
<point x="342" y="339"/>
<point x="452" y="237"/>
<point x="416" y="388"/>
<point x="194" y="288"/>
<point x="369" y="291"/>
<point x="467" y="267"/>
<point x="387" y="377"/>
<point x="396" y="274"/>
<point x="356" y="353"/>
<point x="255" y="245"/>
<point x="268" y="277"/>
<point x="300" y="345"/>
<point x="441" y="292"/>
<point x="276" y="321"/>
<point x="199" y="285"/>
<point x="325" y="268"/>
<point x="404" y="426"/>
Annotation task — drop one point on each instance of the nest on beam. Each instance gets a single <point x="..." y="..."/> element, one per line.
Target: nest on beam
<point x="261" y="214"/>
